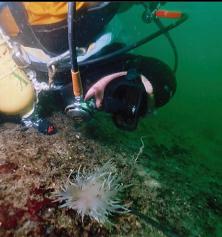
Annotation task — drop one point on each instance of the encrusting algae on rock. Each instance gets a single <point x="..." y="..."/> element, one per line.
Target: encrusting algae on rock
<point x="93" y="193"/>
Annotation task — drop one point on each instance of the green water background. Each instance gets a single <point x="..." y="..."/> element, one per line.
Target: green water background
<point x="195" y="110"/>
<point x="183" y="141"/>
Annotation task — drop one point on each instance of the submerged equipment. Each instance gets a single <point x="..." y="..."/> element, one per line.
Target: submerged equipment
<point x="79" y="110"/>
<point x="125" y="111"/>
<point x="62" y="62"/>
<point x="126" y="119"/>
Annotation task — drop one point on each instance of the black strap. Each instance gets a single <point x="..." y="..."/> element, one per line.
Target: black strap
<point x="20" y="16"/>
<point x="17" y="11"/>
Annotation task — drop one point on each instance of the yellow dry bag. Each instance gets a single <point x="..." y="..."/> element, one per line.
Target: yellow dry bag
<point x="17" y="95"/>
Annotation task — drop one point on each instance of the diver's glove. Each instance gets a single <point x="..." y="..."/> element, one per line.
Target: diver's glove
<point x="42" y="125"/>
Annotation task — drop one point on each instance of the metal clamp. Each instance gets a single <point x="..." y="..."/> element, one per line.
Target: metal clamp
<point x="19" y="56"/>
<point x="51" y="73"/>
<point x="149" y="13"/>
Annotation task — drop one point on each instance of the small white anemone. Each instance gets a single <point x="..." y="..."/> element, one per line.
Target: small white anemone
<point x="93" y="193"/>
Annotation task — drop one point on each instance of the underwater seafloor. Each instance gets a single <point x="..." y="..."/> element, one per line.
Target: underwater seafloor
<point x="172" y="195"/>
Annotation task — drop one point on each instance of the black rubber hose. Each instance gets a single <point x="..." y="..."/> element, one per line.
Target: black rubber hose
<point x="72" y="35"/>
<point x="171" y="42"/>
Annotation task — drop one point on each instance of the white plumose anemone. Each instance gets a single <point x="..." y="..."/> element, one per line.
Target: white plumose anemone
<point x="93" y="193"/>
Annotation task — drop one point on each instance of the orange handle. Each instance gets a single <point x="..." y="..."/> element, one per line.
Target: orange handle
<point x="168" y="14"/>
<point x="76" y="83"/>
